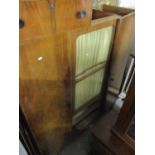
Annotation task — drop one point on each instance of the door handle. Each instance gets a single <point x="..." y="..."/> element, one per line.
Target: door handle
<point x="21" y="23"/>
<point x="81" y="14"/>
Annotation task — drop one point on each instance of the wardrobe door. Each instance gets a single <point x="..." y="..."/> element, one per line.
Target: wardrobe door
<point x="45" y="91"/>
<point x="92" y="51"/>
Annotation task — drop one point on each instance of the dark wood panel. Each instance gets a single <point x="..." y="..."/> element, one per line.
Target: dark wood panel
<point x="127" y="111"/>
<point x="126" y="115"/>
<point x="107" y="142"/>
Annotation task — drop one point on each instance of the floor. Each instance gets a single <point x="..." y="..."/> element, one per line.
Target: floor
<point x="80" y="146"/>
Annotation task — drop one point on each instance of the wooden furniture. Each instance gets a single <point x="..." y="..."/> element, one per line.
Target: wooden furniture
<point x="123" y="44"/>
<point x="93" y="49"/>
<point x="53" y="37"/>
<point x="126" y="118"/>
<point x="110" y="134"/>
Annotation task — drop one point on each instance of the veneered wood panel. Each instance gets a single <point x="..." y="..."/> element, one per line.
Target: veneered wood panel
<point x="117" y="10"/>
<point x="45" y="91"/>
<point x="66" y="14"/>
<point x="38" y="18"/>
<point x="123" y="46"/>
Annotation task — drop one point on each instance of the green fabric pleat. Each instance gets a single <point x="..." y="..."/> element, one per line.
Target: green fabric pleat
<point x="91" y="48"/>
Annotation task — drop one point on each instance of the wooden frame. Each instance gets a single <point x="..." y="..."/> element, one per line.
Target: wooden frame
<point x="95" y="25"/>
<point x="119" y="18"/>
<point x="125" y="116"/>
<point x="123" y="43"/>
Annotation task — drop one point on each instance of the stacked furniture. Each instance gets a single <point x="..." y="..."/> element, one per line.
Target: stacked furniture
<point x="65" y="52"/>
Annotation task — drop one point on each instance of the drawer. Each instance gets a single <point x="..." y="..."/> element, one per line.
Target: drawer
<point x="72" y="14"/>
<point x="36" y="19"/>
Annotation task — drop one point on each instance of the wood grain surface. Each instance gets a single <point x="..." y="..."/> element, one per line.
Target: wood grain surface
<point x="66" y="14"/>
<point x="47" y="64"/>
<point x="38" y="18"/>
<point x="44" y="91"/>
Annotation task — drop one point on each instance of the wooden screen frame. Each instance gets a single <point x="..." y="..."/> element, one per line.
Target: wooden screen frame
<point x="72" y="36"/>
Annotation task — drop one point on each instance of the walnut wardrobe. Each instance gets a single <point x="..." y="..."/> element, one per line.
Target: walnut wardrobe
<point x="64" y="62"/>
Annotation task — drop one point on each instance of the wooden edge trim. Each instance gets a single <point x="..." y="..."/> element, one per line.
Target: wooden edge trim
<point x="87" y="75"/>
<point x="92" y="67"/>
<point x="117" y="9"/>
<point x="88" y="103"/>
<point x="124" y="138"/>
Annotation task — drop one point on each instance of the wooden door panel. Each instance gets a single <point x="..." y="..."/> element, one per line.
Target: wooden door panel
<point x="90" y="67"/>
<point x="66" y="14"/>
<point x="45" y="91"/>
<point x="38" y="19"/>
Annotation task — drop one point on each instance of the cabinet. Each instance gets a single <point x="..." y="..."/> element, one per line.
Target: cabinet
<point x="65" y="52"/>
<point x="90" y="51"/>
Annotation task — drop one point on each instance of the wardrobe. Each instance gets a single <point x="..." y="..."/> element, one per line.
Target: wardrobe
<point x="65" y="53"/>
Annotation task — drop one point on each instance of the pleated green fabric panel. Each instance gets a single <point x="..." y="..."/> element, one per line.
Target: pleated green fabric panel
<point x="88" y="88"/>
<point x="92" y="48"/>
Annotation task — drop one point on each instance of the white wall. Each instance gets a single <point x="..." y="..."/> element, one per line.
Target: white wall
<point x="127" y="3"/>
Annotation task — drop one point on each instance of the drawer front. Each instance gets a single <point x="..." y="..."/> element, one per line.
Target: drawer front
<point x="36" y="19"/>
<point x="72" y="14"/>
